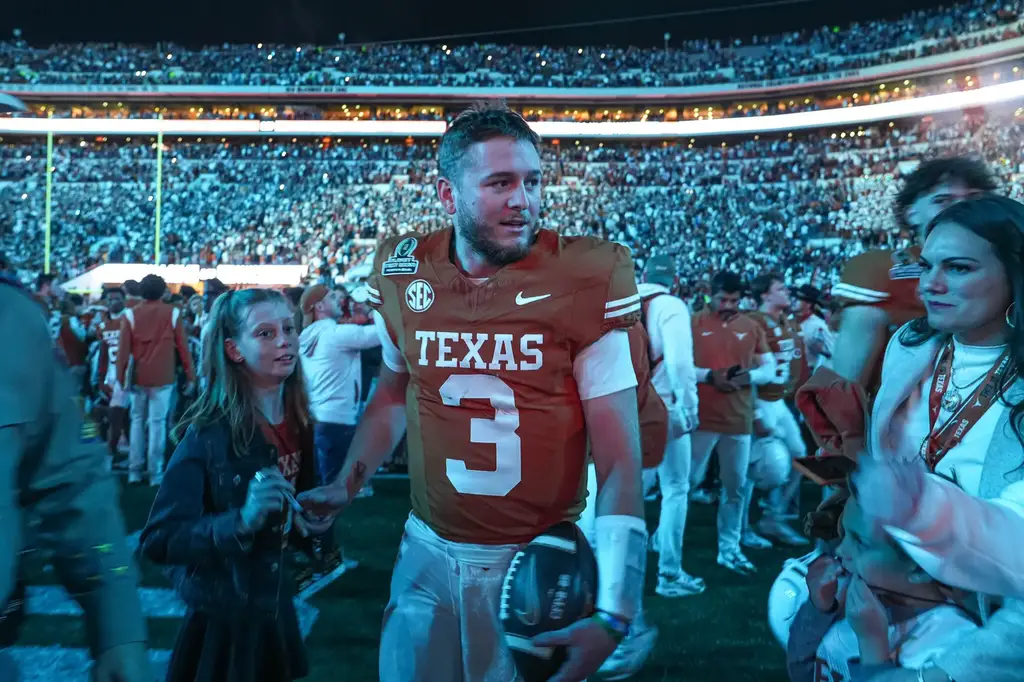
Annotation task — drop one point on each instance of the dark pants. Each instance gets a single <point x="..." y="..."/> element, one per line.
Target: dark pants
<point x="332" y="442"/>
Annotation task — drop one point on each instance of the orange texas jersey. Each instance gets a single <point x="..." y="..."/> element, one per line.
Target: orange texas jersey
<point x="886" y="280"/>
<point x="496" y="435"/>
<point x="721" y="345"/>
<point x="883" y="279"/>
<point x="788" y="348"/>
<point x="109" y="333"/>
<point x="651" y="408"/>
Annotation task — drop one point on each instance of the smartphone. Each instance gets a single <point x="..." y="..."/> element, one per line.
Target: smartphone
<point x="827" y="470"/>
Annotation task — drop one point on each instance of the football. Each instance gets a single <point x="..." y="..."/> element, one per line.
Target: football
<point x="550" y="584"/>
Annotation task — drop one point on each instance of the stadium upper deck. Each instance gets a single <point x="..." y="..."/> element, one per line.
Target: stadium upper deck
<point x="920" y="43"/>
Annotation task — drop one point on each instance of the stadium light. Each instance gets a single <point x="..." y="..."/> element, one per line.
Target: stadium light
<point x="841" y="117"/>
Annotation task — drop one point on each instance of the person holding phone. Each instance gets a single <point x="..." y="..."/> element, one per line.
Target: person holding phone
<point x="731" y="353"/>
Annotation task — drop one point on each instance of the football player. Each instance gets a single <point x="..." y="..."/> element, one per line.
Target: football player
<point x="731" y="353"/>
<point x="878" y="289"/>
<point x="505" y="349"/>
<point x="109" y="334"/>
<point x="783" y="336"/>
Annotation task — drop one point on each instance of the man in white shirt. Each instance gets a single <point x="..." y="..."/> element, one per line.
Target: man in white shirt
<point x="818" y="338"/>
<point x="332" y="371"/>
<point x="667" y="321"/>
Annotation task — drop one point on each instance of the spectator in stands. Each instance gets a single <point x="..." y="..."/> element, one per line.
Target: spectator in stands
<point x="331" y="356"/>
<point x="151" y="334"/>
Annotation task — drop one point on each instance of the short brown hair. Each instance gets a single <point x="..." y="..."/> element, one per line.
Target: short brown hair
<point x="481" y="122"/>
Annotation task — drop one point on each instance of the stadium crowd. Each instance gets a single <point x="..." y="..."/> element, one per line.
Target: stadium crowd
<point x="825" y="50"/>
<point x="824" y="196"/>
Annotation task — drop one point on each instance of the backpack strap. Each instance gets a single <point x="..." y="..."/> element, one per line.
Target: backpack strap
<point x="645" y="304"/>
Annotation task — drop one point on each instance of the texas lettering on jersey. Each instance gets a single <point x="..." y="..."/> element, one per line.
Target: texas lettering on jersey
<point x="496" y="435"/>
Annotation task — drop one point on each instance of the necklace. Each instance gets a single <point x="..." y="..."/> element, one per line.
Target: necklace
<point x="952" y="399"/>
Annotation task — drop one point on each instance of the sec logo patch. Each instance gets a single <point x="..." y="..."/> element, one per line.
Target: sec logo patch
<point x="419" y="296"/>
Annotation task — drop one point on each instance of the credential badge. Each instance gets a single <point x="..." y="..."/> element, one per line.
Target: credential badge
<point x="402" y="262"/>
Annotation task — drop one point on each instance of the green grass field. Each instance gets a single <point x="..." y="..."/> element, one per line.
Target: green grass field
<point x="720" y="636"/>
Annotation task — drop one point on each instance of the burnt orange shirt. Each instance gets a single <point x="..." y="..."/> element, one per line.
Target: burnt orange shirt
<point x="719" y="344"/>
<point x="496" y="434"/>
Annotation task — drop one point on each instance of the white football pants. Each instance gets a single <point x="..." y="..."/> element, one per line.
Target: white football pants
<point x="733" y="461"/>
<point x="777" y="418"/>
<point x="441" y="623"/>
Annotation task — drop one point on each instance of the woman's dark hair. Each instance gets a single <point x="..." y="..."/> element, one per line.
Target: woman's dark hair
<point x="1000" y="221"/>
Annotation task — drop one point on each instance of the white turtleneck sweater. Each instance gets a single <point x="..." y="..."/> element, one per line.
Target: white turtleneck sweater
<point x="962" y="463"/>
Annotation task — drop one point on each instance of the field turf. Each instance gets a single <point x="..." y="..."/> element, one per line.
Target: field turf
<point x="720" y="636"/>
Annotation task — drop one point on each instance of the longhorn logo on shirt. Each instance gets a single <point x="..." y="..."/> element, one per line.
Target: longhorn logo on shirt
<point x="740" y="336"/>
<point x="419" y="295"/>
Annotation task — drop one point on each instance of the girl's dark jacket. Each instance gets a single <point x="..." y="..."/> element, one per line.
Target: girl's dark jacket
<point x="193" y="526"/>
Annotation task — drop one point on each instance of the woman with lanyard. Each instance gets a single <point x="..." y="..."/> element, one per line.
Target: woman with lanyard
<point x="946" y="476"/>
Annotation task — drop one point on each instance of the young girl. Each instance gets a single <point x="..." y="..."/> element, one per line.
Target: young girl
<point x="886" y="612"/>
<point x="224" y="514"/>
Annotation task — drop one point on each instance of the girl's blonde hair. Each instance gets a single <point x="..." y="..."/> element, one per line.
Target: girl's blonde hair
<point x="226" y="394"/>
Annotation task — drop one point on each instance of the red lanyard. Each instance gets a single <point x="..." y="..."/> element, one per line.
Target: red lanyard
<point x="970" y="410"/>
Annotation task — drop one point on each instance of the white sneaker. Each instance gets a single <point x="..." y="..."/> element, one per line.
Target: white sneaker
<point x="736" y="562"/>
<point x="681" y="585"/>
<point x="630" y="655"/>
<point x="134" y="477"/>
<point x="782" y="532"/>
<point x="752" y="540"/>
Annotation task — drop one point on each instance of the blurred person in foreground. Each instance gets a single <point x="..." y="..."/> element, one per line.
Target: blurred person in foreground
<point x="878" y="289"/>
<point x="151" y="334"/>
<point x="331" y="357"/>
<point x="506" y="351"/>
<point x="946" y="476"/>
<point x="885" y="612"/>
<point x="222" y="519"/>
<point x="55" y="488"/>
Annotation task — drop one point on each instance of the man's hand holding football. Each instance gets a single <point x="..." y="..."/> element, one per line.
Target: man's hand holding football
<point x="588" y="644"/>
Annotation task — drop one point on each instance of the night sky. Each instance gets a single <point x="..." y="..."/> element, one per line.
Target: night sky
<point x="197" y="22"/>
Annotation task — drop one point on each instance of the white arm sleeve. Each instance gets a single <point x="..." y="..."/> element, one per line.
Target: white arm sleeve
<point x="968" y="542"/>
<point x="677" y="343"/>
<point x="605" y="366"/>
<point x="76" y="328"/>
<point x="356" y="337"/>
<point x="390" y="353"/>
<point x="764" y="373"/>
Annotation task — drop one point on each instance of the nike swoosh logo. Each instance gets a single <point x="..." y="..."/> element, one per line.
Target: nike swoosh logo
<point x="707" y="333"/>
<point x="523" y="300"/>
<point x="531" y="615"/>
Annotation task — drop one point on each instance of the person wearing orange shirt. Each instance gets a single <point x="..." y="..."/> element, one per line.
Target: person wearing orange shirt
<point x="731" y="354"/>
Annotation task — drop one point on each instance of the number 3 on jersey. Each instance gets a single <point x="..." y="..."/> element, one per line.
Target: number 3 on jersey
<point x="500" y="431"/>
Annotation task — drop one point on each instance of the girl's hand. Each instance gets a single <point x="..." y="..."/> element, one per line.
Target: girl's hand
<point x="307" y="524"/>
<point x="266" y="495"/>
<point x="869" y="620"/>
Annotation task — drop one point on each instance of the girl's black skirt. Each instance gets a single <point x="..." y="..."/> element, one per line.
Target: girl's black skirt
<point x="243" y="648"/>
